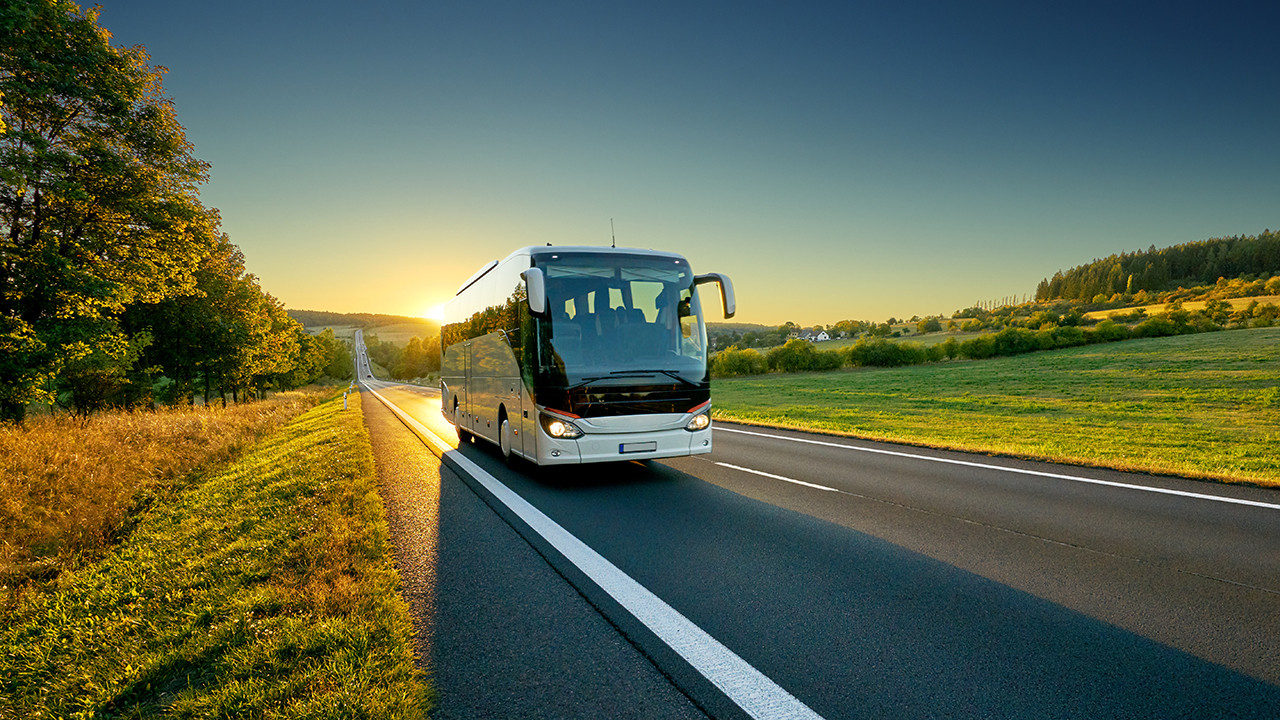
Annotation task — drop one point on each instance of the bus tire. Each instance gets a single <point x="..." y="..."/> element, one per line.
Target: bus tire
<point x="463" y="435"/>
<point x="504" y="441"/>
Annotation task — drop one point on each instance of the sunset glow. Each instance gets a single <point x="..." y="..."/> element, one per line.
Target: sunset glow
<point x="836" y="160"/>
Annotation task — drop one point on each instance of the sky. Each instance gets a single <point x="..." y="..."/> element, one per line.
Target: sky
<point x="843" y="160"/>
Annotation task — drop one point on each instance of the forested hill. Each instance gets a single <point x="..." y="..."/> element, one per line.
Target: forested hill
<point x="320" y="318"/>
<point x="1187" y="265"/>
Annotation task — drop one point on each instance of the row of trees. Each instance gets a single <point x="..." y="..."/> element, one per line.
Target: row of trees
<point x="997" y="316"/>
<point x="801" y="355"/>
<point x="1197" y="263"/>
<point x="419" y="359"/>
<point x="112" y="273"/>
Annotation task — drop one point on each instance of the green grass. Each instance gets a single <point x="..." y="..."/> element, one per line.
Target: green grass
<point x="1189" y="306"/>
<point x="1205" y="406"/>
<point x="262" y="591"/>
<point x="399" y="333"/>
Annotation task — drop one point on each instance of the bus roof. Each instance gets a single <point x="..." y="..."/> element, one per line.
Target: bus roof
<point x="544" y="250"/>
<point x="541" y="250"/>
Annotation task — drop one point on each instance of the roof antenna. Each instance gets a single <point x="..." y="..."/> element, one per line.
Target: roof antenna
<point x="612" y="234"/>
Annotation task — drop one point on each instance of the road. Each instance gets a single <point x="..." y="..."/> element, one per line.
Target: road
<point x="865" y="580"/>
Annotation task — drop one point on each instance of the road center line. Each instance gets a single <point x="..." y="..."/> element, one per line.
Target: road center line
<point x="747" y="687"/>
<point x="777" y="477"/>
<point x="1022" y="471"/>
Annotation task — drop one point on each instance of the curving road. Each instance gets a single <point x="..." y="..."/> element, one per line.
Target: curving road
<point x="865" y="580"/>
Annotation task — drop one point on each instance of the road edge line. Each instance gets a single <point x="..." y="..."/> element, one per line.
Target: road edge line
<point x="1022" y="471"/>
<point x="748" y="689"/>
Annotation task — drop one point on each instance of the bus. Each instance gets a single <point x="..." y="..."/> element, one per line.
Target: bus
<point x="568" y="355"/>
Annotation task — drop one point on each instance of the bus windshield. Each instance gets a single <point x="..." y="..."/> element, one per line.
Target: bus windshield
<point x="621" y="319"/>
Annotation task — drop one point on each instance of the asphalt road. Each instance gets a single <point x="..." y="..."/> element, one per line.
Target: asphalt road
<point x="891" y="584"/>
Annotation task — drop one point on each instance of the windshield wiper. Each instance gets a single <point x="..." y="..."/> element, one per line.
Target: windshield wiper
<point x="631" y="373"/>
<point x="668" y="373"/>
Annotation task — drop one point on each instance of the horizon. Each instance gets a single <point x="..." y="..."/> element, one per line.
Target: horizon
<point x="836" y="162"/>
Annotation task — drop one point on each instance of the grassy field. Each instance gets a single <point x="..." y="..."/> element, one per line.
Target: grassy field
<point x="262" y="590"/>
<point x="398" y="333"/>
<point x="1189" y="306"/>
<point x="67" y="487"/>
<point x="1205" y="406"/>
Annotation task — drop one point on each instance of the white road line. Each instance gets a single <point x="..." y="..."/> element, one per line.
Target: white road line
<point x="750" y="689"/>
<point x="777" y="477"/>
<point x="1022" y="471"/>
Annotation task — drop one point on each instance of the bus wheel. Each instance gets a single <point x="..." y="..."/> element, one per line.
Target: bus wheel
<point x="504" y="441"/>
<point x="463" y="435"/>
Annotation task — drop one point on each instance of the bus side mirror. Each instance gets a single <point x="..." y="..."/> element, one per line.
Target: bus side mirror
<point x="726" y="291"/>
<point x="536" y="285"/>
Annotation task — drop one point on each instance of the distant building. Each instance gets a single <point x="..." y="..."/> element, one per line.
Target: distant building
<point x="811" y="336"/>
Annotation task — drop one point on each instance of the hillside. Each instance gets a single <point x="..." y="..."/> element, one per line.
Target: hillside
<point x="1152" y="270"/>
<point x="421" y="327"/>
<point x="1203" y="405"/>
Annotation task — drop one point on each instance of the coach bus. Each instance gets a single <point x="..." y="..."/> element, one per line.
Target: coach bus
<point x="566" y="355"/>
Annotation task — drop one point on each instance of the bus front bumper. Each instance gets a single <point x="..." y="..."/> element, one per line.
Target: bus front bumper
<point x="621" y="447"/>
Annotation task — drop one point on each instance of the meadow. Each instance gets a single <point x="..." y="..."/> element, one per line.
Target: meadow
<point x="68" y="487"/>
<point x="399" y="333"/>
<point x="1189" y="306"/>
<point x="1204" y="406"/>
<point x="259" y="585"/>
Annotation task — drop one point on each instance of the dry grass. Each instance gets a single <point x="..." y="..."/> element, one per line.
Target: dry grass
<point x="67" y="487"/>
<point x="258" y="588"/>
<point x="1189" y="306"/>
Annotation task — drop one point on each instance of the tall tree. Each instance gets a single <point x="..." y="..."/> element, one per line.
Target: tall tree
<point x="98" y="199"/>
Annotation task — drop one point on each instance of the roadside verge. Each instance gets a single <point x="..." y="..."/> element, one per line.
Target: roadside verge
<point x="266" y="587"/>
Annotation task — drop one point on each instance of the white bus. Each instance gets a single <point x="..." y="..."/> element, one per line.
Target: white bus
<point x="581" y="354"/>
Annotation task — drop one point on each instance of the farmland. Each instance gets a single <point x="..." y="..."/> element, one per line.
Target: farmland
<point x="1205" y="405"/>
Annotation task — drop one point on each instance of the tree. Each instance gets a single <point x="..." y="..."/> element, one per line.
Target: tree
<point x="928" y="325"/>
<point x="98" y="203"/>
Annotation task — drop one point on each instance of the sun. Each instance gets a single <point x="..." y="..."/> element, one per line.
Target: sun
<point x="435" y="312"/>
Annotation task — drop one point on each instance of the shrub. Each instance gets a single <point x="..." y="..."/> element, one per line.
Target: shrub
<point x="1156" y="326"/>
<point x="928" y="325"/>
<point x="1014" y="341"/>
<point x="1068" y="336"/>
<point x="950" y="348"/>
<point x="1110" y="331"/>
<point x="978" y="348"/>
<point x="827" y="360"/>
<point x="733" y="362"/>
<point x="882" y="353"/>
<point x="797" y="355"/>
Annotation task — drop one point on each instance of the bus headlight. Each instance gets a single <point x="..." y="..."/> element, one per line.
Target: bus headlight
<point x="701" y="421"/>
<point x="559" y="428"/>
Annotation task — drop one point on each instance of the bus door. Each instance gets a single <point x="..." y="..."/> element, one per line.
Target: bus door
<point x="465" y="404"/>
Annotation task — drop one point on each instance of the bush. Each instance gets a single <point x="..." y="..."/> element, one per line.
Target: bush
<point x="797" y="355"/>
<point x="1068" y="336"/>
<point x="950" y="348"/>
<point x="928" y="325"/>
<point x="733" y="362"/>
<point x="1156" y="326"/>
<point x="1110" y="331"/>
<point x="827" y="360"/>
<point x="1014" y="341"/>
<point x="882" y="353"/>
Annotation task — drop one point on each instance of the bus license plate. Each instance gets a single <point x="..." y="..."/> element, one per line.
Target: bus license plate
<point x="625" y="448"/>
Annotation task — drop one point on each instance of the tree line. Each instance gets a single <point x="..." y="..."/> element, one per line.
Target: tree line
<point x="1044" y="330"/>
<point x="364" y="321"/>
<point x="1196" y="263"/>
<point x="418" y="359"/>
<point x="117" y="285"/>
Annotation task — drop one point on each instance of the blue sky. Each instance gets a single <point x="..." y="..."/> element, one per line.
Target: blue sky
<point x="837" y="160"/>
